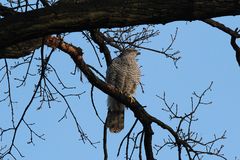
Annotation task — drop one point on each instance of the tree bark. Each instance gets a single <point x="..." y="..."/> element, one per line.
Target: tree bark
<point x="107" y="14"/>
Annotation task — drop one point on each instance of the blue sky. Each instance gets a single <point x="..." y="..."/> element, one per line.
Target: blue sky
<point x="206" y="56"/>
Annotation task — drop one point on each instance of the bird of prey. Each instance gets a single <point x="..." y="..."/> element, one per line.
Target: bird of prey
<point x="124" y="74"/>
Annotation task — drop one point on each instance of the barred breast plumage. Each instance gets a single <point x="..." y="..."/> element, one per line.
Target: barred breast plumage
<point x="124" y="74"/>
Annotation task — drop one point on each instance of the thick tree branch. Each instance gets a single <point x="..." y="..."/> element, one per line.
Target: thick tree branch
<point x="21" y="49"/>
<point x="107" y="14"/>
<point x="5" y="11"/>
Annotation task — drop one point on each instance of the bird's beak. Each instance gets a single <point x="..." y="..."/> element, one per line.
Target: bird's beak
<point x="138" y="53"/>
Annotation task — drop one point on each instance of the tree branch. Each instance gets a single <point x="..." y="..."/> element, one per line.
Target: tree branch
<point x="235" y="46"/>
<point x="5" y="11"/>
<point x="222" y="27"/>
<point x="148" y="141"/>
<point x="107" y="14"/>
<point x="233" y="33"/>
<point x="138" y="110"/>
<point x="96" y="36"/>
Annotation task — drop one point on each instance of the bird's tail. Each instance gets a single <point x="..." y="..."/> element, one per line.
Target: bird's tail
<point x="115" y="116"/>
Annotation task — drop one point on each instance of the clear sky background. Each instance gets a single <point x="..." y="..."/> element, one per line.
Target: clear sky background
<point x="206" y="56"/>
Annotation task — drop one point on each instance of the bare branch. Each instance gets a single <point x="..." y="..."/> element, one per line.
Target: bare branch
<point x="97" y="38"/>
<point x="94" y="107"/>
<point x="189" y="140"/>
<point x="222" y="27"/>
<point x="233" y="33"/>
<point x="127" y="137"/>
<point x="235" y="46"/>
<point x="105" y="140"/>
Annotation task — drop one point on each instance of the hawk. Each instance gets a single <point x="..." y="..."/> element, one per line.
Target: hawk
<point x="124" y="74"/>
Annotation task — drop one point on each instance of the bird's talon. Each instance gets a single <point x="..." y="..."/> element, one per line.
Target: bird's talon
<point x="131" y="98"/>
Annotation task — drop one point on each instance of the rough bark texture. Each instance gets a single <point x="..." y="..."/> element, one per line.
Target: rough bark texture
<point x="107" y="14"/>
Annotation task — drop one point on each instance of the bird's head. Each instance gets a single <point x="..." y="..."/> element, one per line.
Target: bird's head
<point x="130" y="52"/>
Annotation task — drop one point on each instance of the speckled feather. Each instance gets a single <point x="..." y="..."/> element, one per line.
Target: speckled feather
<point x="124" y="74"/>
